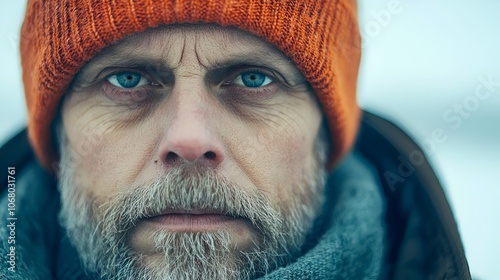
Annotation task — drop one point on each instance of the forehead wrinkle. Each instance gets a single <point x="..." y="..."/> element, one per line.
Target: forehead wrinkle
<point x="255" y="52"/>
<point x="160" y="47"/>
<point x="140" y="46"/>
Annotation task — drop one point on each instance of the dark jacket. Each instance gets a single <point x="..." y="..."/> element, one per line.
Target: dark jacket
<point x="422" y="237"/>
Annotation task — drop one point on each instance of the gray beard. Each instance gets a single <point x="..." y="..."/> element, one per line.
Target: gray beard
<point x="100" y="230"/>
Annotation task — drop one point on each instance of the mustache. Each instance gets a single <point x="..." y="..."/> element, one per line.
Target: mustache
<point x="184" y="189"/>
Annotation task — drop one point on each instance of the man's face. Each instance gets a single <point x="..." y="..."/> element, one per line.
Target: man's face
<point x="190" y="149"/>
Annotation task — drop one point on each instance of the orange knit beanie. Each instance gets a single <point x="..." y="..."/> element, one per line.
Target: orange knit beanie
<point x="321" y="36"/>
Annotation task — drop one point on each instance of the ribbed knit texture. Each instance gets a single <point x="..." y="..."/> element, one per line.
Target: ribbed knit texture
<point x="321" y="36"/>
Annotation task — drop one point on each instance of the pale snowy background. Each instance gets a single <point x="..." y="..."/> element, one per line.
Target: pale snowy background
<point x="420" y="59"/>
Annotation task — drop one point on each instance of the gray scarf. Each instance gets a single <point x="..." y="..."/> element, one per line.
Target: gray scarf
<point x="353" y="245"/>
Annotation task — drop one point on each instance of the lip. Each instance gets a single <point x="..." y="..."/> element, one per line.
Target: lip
<point x="196" y="220"/>
<point x="195" y="211"/>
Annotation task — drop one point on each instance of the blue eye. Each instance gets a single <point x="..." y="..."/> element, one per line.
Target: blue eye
<point x="127" y="80"/>
<point x="252" y="79"/>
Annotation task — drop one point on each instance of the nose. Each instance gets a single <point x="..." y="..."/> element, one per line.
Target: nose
<point x="190" y="137"/>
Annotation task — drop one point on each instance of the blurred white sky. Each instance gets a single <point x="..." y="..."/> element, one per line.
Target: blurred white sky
<point x="418" y="64"/>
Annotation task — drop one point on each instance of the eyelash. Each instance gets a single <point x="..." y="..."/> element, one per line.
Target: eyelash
<point x="142" y="92"/>
<point x="258" y="92"/>
<point x="136" y="94"/>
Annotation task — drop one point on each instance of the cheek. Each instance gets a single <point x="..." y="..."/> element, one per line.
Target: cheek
<point x="291" y="155"/>
<point x="93" y="162"/>
<point x="279" y="162"/>
<point x="295" y="152"/>
<point x="108" y="159"/>
<point x="293" y="159"/>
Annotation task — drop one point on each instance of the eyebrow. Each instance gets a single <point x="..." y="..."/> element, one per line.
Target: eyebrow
<point x="129" y="58"/>
<point x="256" y="59"/>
